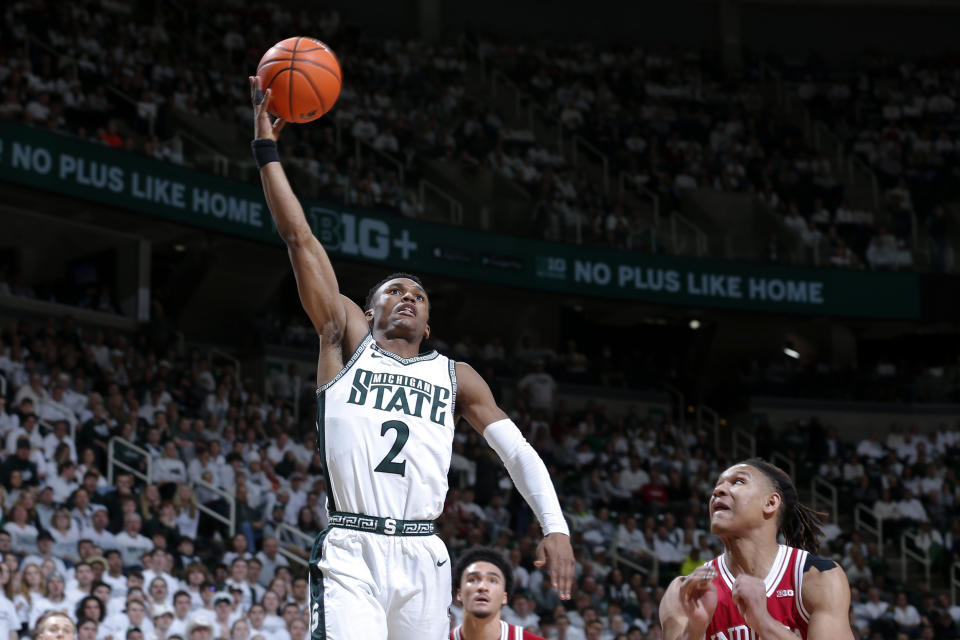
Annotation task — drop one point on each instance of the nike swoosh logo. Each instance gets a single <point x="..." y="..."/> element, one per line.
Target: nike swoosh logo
<point x="441" y="563"/>
<point x="375" y="355"/>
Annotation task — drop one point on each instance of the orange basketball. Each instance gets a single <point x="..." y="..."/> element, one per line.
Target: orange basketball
<point x="305" y="77"/>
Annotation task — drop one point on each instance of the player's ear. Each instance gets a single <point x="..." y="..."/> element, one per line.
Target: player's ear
<point x="369" y="315"/>
<point x="459" y="599"/>
<point x="426" y="332"/>
<point x="773" y="503"/>
<point x="504" y="603"/>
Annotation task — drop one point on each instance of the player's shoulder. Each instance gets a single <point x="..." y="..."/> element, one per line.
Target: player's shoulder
<point x="818" y="564"/>
<point x="825" y="585"/>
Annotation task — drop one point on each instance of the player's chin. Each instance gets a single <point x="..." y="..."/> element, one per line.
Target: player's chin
<point x="481" y="610"/>
<point x="721" y="523"/>
<point x="409" y="323"/>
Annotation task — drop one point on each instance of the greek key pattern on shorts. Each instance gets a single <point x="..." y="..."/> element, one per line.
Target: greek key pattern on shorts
<point x="384" y="526"/>
<point x="354" y="521"/>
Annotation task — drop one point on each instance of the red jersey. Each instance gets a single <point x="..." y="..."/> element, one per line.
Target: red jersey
<point x="784" y="602"/>
<point x="507" y="632"/>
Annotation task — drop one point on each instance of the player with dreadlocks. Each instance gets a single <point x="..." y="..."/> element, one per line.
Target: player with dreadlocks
<point x="759" y="588"/>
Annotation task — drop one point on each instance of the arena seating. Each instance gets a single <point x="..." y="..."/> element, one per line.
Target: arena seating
<point x="634" y="486"/>
<point x="668" y="121"/>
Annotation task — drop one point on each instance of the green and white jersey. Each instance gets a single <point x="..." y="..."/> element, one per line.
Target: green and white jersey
<point x="385" y="431"/>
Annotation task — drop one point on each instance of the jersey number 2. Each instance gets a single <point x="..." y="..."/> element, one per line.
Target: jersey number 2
<point x="387" y="465"/>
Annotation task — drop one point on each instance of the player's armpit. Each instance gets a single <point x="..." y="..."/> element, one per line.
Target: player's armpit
<point x="475" y="402"/>
<point x="333" y="355"/>
<point x="357" y="326"/>
<point x="826" y="596"/>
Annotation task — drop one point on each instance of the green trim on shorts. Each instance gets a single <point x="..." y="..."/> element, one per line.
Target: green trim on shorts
<point x="318" y="617"/>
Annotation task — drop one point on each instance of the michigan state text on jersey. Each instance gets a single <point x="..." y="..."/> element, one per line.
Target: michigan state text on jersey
<point x="385" y="428"/>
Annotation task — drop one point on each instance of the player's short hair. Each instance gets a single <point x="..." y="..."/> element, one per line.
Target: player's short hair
<point x="483" y="554"/>
<point x="368" y="303"/>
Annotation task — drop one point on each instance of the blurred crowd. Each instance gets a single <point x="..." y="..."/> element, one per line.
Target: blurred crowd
<point x="671" y="121"/>
<point x="141" y="548"/>
<point x="667" y="120"/>
<point x="899" y="117"/>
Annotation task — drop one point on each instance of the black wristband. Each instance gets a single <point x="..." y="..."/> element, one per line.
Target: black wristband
<point x="264" y="151"/>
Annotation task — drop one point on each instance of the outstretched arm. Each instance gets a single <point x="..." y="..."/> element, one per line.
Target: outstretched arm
<point x="316" y="280"/>
<point x="476" y="405"/>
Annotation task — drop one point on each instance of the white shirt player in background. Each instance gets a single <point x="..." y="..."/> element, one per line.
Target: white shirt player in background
<point x="386" y="415"/>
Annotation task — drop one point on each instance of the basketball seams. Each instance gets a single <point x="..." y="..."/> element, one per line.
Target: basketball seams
<point x="314" y="88"/>
<point x="322" y="66"/>
<point x="312" y="63"/>
<point x="284" y="57"/>
<point x="273" y="61"/>
<point x="293" y="56"/>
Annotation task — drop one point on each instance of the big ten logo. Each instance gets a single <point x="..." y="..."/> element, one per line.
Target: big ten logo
<point x="349" y="234"/>
<point x="551" y="267"/>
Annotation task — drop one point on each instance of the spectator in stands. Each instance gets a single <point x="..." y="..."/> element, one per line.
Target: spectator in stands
<point x="131" y="543"/>
<point x="65" y="534"/>
<point x="98" y="532"/>
<point x="882" y="253"/>
<point x="13" y="471"/>
<point x="520" y="612"/>
<point x="23" y="535"/>
<point x="271" y="559"/>
<point x="169" y="468"/>
<point x="54" y="600"/>
<point x="53" y="409"/>
<point x="31" y="590"/>
<point x="539" y="388"/>
<point x="911" y="509"/>
<point x="906" y="615"/>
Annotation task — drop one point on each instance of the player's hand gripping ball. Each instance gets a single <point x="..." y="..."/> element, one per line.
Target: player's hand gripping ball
<point x="303" y="76"/>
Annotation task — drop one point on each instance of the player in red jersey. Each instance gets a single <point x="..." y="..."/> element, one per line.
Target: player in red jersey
<point x="483" y="578"/>
<point x="759" y="588"/>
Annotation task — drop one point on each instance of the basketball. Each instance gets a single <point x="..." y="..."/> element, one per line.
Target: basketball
<point x="304" y="75"/>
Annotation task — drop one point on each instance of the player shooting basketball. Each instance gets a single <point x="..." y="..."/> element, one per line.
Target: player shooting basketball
<point x="385" y="417"/>
<point x="759" y="588"/>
